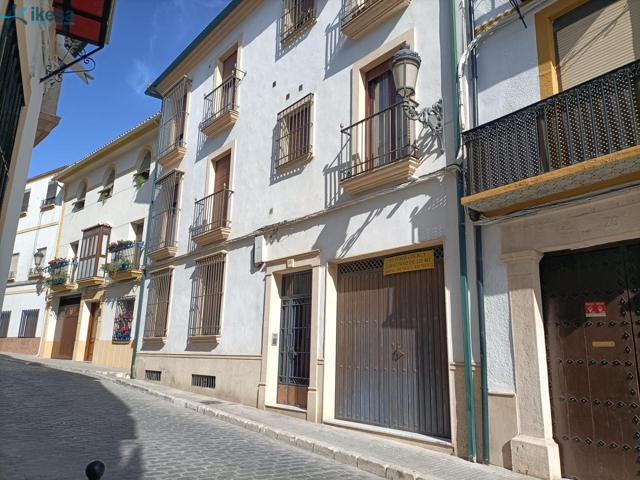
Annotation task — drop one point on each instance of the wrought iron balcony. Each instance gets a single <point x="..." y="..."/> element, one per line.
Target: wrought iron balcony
<point x="171" y="139"/>
<point x="36" y="272"/>
<point x="588" y="135"/>
<point x="221" y="106"/>
<point x="61" y="275"/>
<point x="211" y="218"/>
<point x="48" y="203"/>
<point x="12" y="275"/>
<point x="359" y="17"/>
<point x="378" y="150"/>
<point x="124" y="261"/>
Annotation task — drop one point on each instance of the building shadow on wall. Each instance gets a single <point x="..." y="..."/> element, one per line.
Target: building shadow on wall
<point x="66" y="421"/>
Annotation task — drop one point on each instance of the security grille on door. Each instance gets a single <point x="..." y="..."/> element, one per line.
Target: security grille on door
<point x="5" y="317"/>
<point x="28" y="324"/>
<point x="295" y="339"/>
<point x="206" y="296"/>
<point x="392" y="368"/>
<point x="155" y="324"/>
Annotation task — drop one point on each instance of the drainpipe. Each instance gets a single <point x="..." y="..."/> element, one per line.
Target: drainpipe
<point x="144" y="276"/>
<point x="462" y="246"/>
<point x="477" y="234"/>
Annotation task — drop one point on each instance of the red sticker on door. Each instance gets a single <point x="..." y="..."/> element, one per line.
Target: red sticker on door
<point x="595" y="309"/>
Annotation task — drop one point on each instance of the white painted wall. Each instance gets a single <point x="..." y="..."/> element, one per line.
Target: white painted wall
<point x="38" y="229"/>
<point x="321" y="63"/>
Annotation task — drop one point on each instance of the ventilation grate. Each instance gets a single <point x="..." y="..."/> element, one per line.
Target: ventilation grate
<point x="203" y="381"/>
<point x="378" y="262"/>
<point x="152" y="375"/>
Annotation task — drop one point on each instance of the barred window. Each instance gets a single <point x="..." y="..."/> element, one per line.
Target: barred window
<point x="173" y="118"/>
<point x="155" y="324"/>
<point x="28" y="323"/>
<point x="123" y="320"/>
<point x="5" y="317"/>
<point x="165" y="212"/>
<point x="295" y="132"/>
<point x="52" y="192"/>
<point x="206" y="296"/>
<point x="296" y="17"/>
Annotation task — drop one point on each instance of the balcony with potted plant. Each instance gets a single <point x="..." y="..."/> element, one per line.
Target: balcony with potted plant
<point x="124" y="261"/>
<point x="60" y="275"/>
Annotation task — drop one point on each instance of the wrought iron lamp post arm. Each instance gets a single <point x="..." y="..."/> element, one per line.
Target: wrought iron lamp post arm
<point x="429" y="117"/>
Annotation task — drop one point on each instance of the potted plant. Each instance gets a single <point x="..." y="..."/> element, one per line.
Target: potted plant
<point x="140" y="178"/>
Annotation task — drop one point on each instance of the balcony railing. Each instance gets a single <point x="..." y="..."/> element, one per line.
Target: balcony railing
<point x="211" y="213"/>
<point x="124" y="259"/>
<point x="61" y="274"/>
<point x="596" y="118"/>
<point x="163" y="229"/>
<point x="48" y="202"/>
<point x="358" y="17"/>
<point x="36" y="272"/>
<point x="222" y="100"/>
<point x="171" y="133"/>
<point x="12" y="275"/>
<point x="377" y="141"/>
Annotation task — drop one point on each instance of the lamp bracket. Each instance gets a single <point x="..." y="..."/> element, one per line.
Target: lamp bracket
<point x="429" y="117"/>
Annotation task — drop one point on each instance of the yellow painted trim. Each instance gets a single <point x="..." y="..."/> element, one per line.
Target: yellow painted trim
<point x="37" y="227"/>
<point x="546" y="45"/>
<point x="554" y="175"/>
<point x="573" y="192"/>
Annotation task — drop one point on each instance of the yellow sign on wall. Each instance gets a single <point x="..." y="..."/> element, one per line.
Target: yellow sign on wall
<point x="409" y="263"/>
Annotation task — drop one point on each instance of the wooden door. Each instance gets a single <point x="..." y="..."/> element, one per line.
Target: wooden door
<point x="392" y="368"/>
<point x="295" y="339"/>
<point x="228" y="82"/>
<point x="68" y="316"/>
<point x="591" y="312"/>
<point x="221" y="194"/>
<point x="91" y="334"/>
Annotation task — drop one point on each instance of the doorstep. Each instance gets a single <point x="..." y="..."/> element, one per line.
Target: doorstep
<point x="371" y="453"/>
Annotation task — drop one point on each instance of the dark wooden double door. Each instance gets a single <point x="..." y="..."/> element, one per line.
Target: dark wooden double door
<point x="591" y="302"/>
<point x="391" y="367"/>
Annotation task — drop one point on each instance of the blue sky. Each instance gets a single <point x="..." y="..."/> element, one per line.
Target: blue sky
<point x="147" y="35"/>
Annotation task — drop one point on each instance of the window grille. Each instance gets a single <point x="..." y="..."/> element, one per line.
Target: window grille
<point x="5" y="317"/>
<point x="82" y="193"/>
<point x="93" y="252"/>
<point x="295" y="128"/>
<point x="173" y="118"/>
<point x="296" y="17"/>
<point x="203" y="381"/>
<point x="155" y="325"/>
<point x="12" y="98"/>
<point x="206" y="296"/>
<point x="28" y="324"/>
<point x="123" y="320"/>
<point x="152" y="375"/>
<point x="165" y="212"/>
<point x="25" y="201"/>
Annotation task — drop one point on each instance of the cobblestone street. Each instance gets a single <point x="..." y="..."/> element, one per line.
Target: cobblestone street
<point x="53" y="423"/>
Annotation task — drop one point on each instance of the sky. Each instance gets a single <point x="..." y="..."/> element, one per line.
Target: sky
<point x="147" y="36"/>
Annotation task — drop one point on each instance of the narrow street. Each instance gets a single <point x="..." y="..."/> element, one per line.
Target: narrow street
<point x="53" y="423"/>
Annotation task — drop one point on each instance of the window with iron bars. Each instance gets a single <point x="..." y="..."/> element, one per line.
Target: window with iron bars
<point x="52" y="192"/>
<point x="28" y="323"/>
<point x="206" y="296"/>
<point x="165" y="212"/>
<point x="173" y="118"/>
<point x="124" y="318"/>
<point x="5" y="318"/>
<point x="295" y="132"/>
<point x="155" y="325"/>
<point x="296" y="17"/>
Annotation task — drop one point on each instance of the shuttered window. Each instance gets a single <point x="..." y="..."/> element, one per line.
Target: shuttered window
<point x="206" y="296"/>
<point x="155" y="324"/>
<point x="595" y="39"/>
<point x="165" y="212"/>
<point x="52" y="191"/>
<point x="5" y="317"/>
<point x="93" y="251"/>
<point x="25" y="201"/>
<point x="28" y="323"/>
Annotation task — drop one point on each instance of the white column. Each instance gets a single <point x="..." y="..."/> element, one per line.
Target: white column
<point x="534" y="451"/>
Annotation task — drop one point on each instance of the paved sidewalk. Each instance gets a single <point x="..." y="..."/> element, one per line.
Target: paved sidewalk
<point x="380" y="456"/>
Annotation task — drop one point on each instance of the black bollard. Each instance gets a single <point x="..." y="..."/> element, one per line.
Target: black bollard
<point x="95" y="470"/>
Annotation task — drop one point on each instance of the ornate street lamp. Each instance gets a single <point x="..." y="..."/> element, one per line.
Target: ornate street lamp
<point x="405" y="65"/>
<point x="37" y="259"/>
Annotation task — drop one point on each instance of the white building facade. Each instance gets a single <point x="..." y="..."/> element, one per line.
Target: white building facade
<point x="93" y="282"/>
<point x="553" y="163"/>
<point x="24" y="303"/>
<point x="304" y="232"/>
